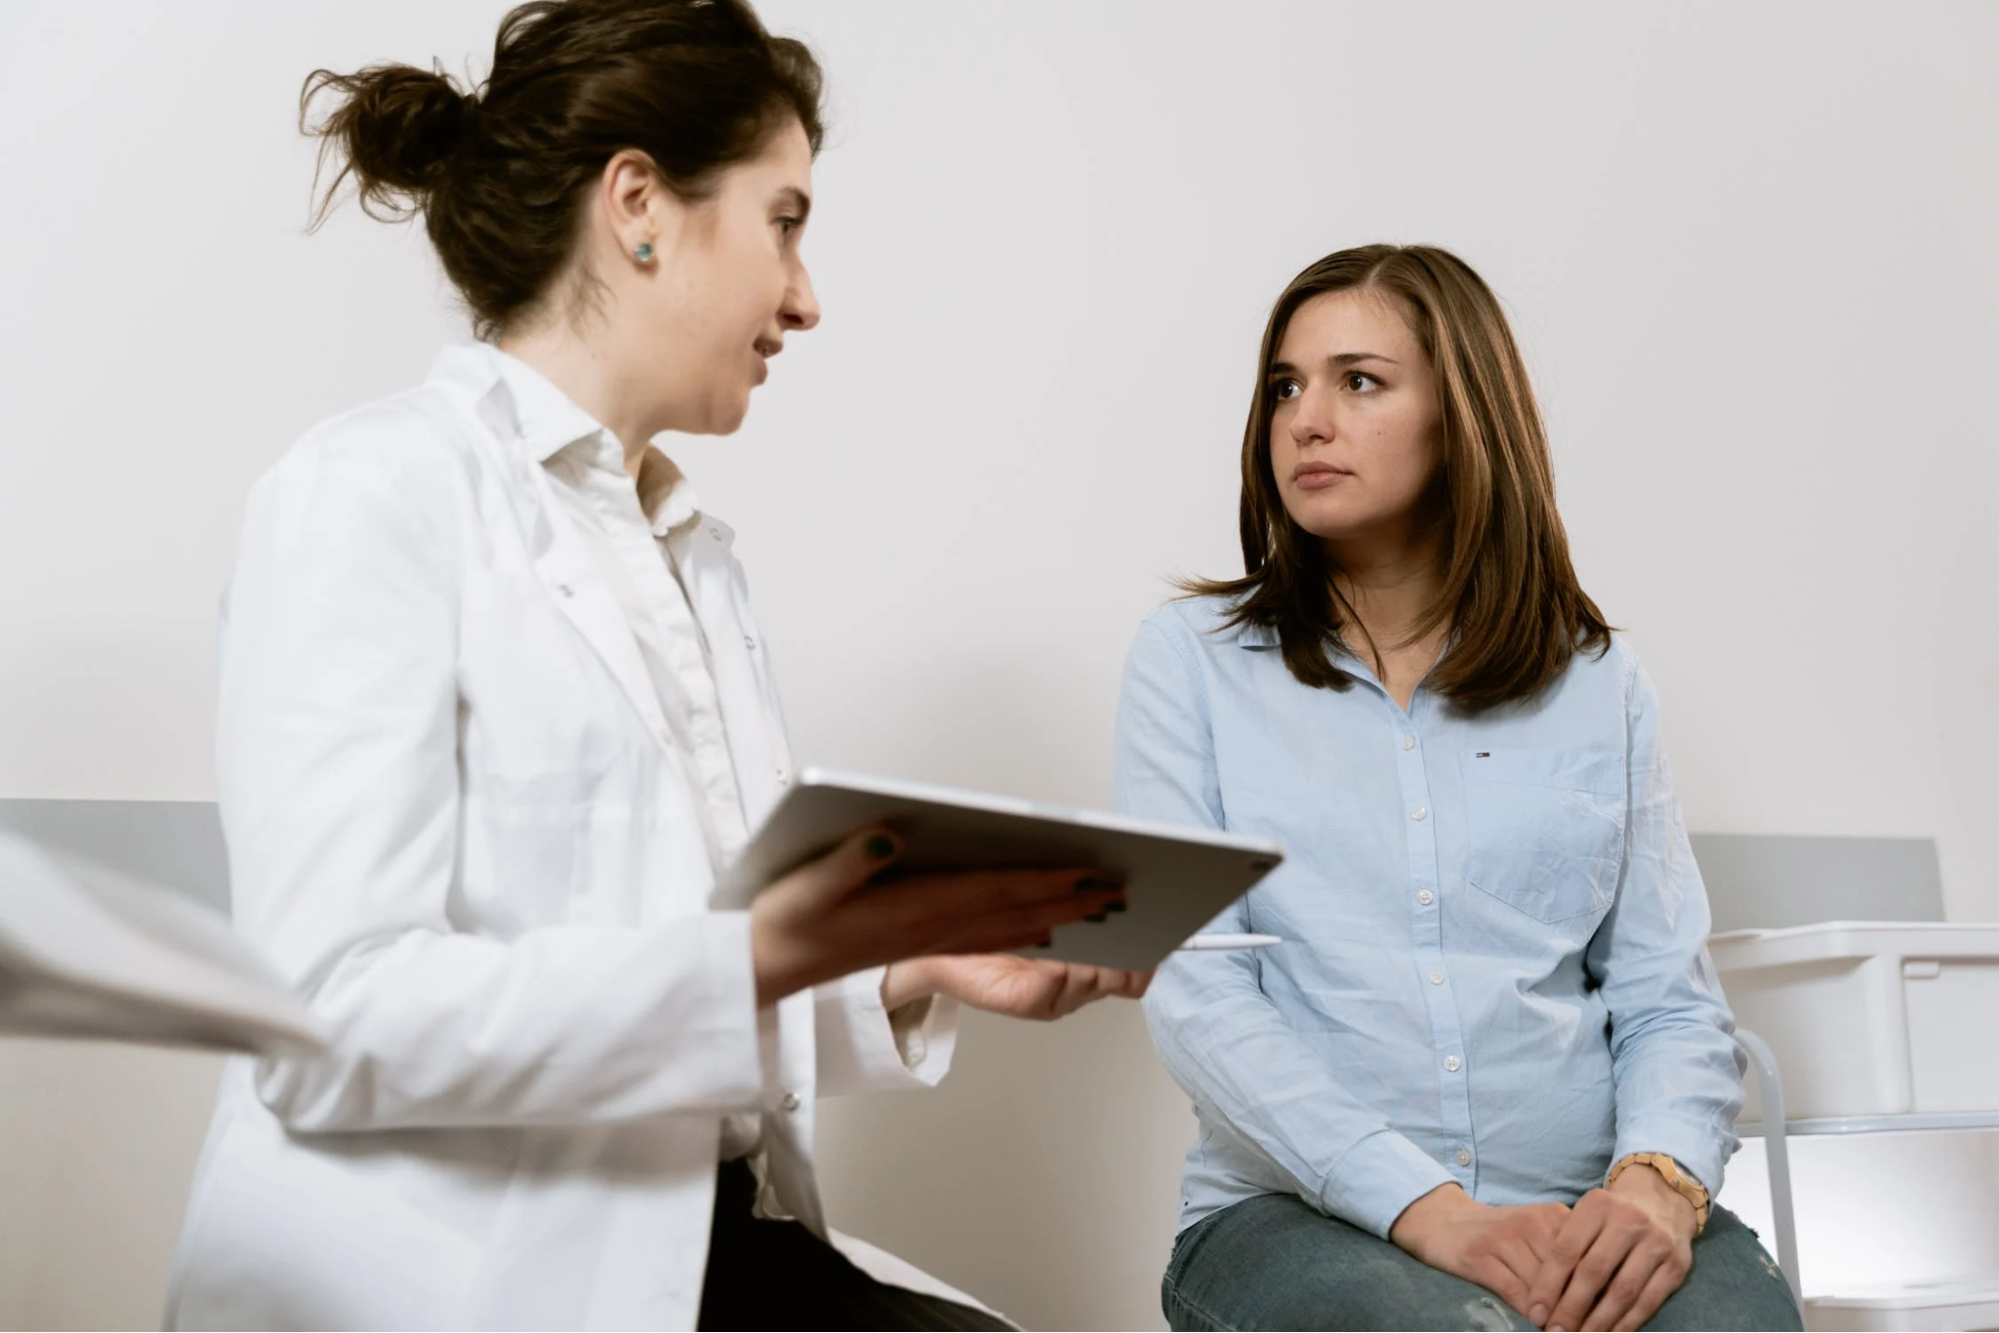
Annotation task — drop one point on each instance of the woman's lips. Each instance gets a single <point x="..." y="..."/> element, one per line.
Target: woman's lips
<point x="1318" y="478"/>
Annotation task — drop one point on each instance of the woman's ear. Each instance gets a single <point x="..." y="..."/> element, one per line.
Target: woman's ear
<point x="630" y="200"/>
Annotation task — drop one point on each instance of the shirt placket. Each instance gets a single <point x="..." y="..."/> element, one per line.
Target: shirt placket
<point x="687" y="655"/>
<point x="1427" y="913"/>
<point x="648" y="563"/>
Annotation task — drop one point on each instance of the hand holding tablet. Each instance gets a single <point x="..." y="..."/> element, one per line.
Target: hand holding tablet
<point x="1174" y="880"/>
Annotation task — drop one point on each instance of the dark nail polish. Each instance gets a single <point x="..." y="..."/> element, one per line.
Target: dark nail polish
<point x="881" y="847"/>
<point x="1047" y="943"/>
<point x="1115" y="905"/>
<point x="1090" y="883"/>
<point x="1094" y="916"/>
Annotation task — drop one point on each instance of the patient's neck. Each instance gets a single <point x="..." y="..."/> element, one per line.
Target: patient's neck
<point x="1389" y="582"/>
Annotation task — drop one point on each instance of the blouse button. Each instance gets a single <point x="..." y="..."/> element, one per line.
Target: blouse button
<point x="790" y="1102"/>
<point x="1420" y="813"/>
<point x="1426" y="897"/>
<point x="1464" y="1157"/>
<point x="1409" y="742"/>
<point x="1436" y="978"/>
<point x="1452" y="1063"/>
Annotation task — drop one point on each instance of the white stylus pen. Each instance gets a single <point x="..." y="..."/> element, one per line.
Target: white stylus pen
<point x="1229" y="942"/>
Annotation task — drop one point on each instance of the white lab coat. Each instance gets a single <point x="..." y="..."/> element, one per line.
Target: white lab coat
<point x="457" y="823"/>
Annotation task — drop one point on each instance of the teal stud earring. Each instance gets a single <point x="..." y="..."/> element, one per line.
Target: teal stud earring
<point x="644" y="253"/>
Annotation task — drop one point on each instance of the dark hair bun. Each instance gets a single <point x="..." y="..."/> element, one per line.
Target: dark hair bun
<point x="397" y="126"/>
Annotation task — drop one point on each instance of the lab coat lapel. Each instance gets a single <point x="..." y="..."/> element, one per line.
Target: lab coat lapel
<point x="562" y="564"/>
<point x="561" y="560"/>
<point x="564" y="567"/>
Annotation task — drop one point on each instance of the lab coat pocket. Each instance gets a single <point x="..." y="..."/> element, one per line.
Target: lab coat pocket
<point x="1546" y="828"/>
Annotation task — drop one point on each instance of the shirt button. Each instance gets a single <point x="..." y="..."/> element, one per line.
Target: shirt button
<point x="749" y="643"/>
<point x="790" y="1102"/>
<point x="1464" y="1157"/>
<point x="1409" y="742"/>
<point x="1420" y="813"/>
<point x="1426" y="897"/>
<point x="1436" y="978"/>
<point x="1451" y="1062"/>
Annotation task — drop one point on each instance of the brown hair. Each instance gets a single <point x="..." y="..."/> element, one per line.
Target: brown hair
<point x="500" y="173"/>
<point x="1510" y="595"/>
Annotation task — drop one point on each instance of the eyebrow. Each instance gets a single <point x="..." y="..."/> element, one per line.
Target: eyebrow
<point x="799" y="201"/>
<point x="1341" y="359"/>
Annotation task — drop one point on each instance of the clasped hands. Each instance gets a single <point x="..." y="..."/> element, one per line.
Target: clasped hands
<point x="1609" y="1262"/>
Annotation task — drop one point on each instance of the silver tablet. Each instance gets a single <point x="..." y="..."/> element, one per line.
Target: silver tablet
<point x="1176" y="879"/>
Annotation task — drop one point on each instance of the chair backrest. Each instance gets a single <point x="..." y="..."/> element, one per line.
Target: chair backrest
<point x="174" y="843"/>
<point x="1753" y="879"/>
<point x="1769" y="881"/>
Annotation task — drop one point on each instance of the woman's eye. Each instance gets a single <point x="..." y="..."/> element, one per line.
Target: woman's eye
<point x="1284" y="389"/>
<point x="1360" y="381"/>
<point x="787" y="225"/>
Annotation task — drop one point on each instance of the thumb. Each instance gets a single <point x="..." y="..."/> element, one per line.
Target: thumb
<point x="857" y="859"/>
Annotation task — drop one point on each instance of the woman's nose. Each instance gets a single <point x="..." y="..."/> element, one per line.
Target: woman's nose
<point x="801" y="303"/>
<point x="1312" y="422"/>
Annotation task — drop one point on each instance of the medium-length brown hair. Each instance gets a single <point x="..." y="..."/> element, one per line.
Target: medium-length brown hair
<point x="1515" y="612"/>
<point x="500" y="173"/>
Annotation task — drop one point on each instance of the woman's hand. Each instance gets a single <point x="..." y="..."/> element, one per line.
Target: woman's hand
<point x="830" y="918"/>
<point x="1622" y="1252"/>
<point x="1503" y="1249"/>
<point x="1033" y="988"/>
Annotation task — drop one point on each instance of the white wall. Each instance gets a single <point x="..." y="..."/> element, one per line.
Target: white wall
<point x="1753" y="253"/>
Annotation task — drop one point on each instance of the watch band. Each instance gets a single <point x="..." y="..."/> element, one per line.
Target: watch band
<point x="1674" y="1174"/>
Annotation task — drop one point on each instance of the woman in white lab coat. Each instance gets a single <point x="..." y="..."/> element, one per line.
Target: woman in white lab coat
<point x="494" y="712"/>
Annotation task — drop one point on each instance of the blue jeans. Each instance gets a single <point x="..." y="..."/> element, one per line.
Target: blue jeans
<point x="1276" y="1262"/>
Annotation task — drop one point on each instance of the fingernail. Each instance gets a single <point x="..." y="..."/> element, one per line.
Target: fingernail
<point x="1538" y="1314"/>
<point x="1090" y="883"/>
<point x="1094" y="916"/>
<point x="1115" y="905"/>
<point x="880" y="847"/>
<point x="1046" y="942"/>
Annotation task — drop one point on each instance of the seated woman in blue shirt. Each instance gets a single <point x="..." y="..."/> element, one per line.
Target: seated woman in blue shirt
<point x="1488" y="1075"/>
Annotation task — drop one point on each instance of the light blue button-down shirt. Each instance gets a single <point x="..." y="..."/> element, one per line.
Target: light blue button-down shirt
<point x="1494" y="969"/>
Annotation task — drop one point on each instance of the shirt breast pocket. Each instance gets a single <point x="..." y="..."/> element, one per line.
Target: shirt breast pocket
<point x="1546" y="829"/>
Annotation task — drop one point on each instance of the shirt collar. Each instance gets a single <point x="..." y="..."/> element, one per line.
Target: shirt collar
<point x="1265" y="636"/>
<point x="549" y="424"/>
<point x="665" y="494"/>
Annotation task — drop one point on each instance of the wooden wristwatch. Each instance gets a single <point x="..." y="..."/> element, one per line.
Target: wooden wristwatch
<point x="1675" y="1175"/>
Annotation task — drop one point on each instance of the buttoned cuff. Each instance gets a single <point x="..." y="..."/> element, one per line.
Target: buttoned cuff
<point x="863" y="1048"/>
<point x="1700" y="1149"/>
<point x="1378" y="1178"/>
